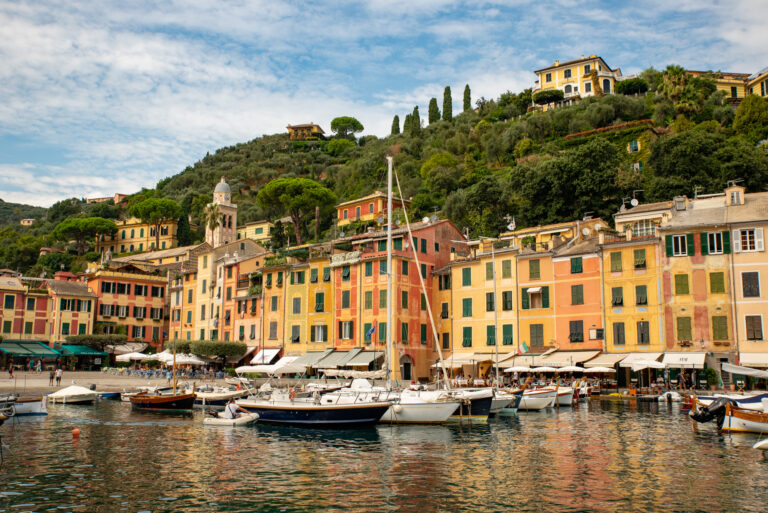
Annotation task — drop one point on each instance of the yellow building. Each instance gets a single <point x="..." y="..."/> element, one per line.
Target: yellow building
<point x="552" y="235"/>
<point x="273" y="275"/>
<point x="297" y="306"/>
<point x="72" y="307"/>
<point x="319" y="318"/>
<point x="304" y="131"/>
<point x="27" y="222"/>
<point x="367" y="208"/>
<point x="132" y="235"/>
<point x="734" y="85"/>
<point x="757" y="83"/>
<point x="578" y="78"/>
<point x="257" y="230"/>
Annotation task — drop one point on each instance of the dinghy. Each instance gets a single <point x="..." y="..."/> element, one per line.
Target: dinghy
<point x="243" y="420"/>
<point x="74" y="394"/>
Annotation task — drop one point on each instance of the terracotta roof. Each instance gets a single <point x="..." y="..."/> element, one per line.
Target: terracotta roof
<point x="647" y="207"/>
<point x="70" y="288"/>
<point x="10" y="282"/>
<point x="575" y="61"/>
<point x="579" y="248"/>
<point x="163" y="253"/>
<point x="714" y="212"/>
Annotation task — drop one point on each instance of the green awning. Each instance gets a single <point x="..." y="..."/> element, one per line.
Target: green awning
<point x="28" y="348"/>
<point x="78" y="350"/>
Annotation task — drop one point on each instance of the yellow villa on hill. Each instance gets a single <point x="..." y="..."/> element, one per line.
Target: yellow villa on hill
<point x="578" y="78"/>
<point x="132" y="235"/>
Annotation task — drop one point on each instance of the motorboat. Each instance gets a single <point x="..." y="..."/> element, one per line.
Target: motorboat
<point x="746" y="402"/>
<point x="73" y="394"/>
<point x="500" y="401"/>
<point x="474" y="406"/>
<point x="126" y="396"/>
<point x="511" y="408"/>
<point x="729" y="416"/>
<point x="109" y="396"/>
<point x="242" y="420"/>
<point x="538" y="399"/>
<point x="168" y="402"/>
<point x="25" y="405"/>
<point x="315" y="413"/>
<point x="217" y="397"/>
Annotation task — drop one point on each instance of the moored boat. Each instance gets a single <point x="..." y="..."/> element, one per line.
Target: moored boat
<point x="565" y="396"/>
<point x="25" y="406"/>
<point x="538" y="399"/>
<point x="242" y="420"/>
<point x="474" y="406"/>
<point x="217" y="397"/>
<point x="747" y="402"/>
<point x="511" y="408"/>
<point x="729" y="416"/>
<point x="73" y="394"/>
<point x="316" y="414"/>
<point x="163" y="402"/>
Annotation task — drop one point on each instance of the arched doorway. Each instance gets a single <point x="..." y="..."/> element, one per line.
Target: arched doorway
<point x="406" y="367"/>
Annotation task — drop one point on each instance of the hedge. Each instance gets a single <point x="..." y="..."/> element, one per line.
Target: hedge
<point x="98" y="342"/>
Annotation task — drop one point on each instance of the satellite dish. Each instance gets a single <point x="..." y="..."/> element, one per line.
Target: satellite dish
<point x="585" y="231"/>
<point x="425" y="220"/>
<point x="634" y="202"/>
<point x="397" y="222"/>
<point x="380" y="220"/>
<point x="341" y="233"/>
<point x="433" y="218"/>
<point x="598" y="227"/>
<point x="510" y="227"/>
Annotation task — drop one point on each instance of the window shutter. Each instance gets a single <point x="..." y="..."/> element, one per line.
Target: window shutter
<point x="726" y="242"/>
<point x="759" y="239"/>
<point x="668" y="244"/>
<point x="704" y="243"/>
<point x="341" y="324"/>
<point x="524" y="299"/>
<point x="736" y="242"/>
<point x="691" y="248"/>
<point x="490" y="335"/>
<point x="545" y="297"/>
<point x="312" y="334"/>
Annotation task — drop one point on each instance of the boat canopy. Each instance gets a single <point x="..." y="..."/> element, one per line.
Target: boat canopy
<point x="746" y="371"/>
<point x="606" y="360"/>
<point x="28" y="348"/>
<point x="759" y="360"/>
<point x="684" y="360"/>
<point x="265" y="356"/>
<point x="566" y="358"/>
<point x="637" y="357"/>
<point x="80" y="350"/>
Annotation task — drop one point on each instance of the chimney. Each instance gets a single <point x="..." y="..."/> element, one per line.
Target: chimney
<point x="557" y="63"/>
<point x="680" y="203"/>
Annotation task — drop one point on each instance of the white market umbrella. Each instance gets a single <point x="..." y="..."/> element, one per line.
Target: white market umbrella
<point x="133" y="356"/>
<point x="600" y="370"/>
<point x="646" y="364"/>
<point x="544" y="369"/>
<point x="571" y="368"/>
<point x="187" y="359"/>
<point x="518" y="368"/>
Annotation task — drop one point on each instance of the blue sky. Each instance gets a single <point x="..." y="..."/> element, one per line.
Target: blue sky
<point x="104" y="97"/>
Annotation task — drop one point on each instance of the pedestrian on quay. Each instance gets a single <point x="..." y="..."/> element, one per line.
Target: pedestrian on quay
<point x="39" y="366"/>
<point x="30" y="365"/>
<point x="10" y="370"/>
<point x="51" y="376"/>
<point x="59" y="373"/>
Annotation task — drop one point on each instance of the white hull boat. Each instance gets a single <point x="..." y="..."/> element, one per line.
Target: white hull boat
<point x="243" y="420"/>
<point x="565" y="396"/>
<point x="74" y="394"/>
<point x="538" y="399"/>
<point x="217" y="398"/>
<point x="500" y="402"/>
<point x="25" y="406"/>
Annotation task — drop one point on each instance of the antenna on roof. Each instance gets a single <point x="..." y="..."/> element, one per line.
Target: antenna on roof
<point x="635" y="192"/>
<point x="696" y="192"/>
<point x="732" y="183"/>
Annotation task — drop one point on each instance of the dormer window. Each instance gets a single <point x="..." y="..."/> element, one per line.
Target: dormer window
<point x="735" y="198"/>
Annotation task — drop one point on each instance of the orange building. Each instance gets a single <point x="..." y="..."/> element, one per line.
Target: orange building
<point x="367" y="208"/>
<point x="73" y="307"/>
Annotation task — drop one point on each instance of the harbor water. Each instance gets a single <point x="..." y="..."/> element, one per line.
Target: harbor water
<point x="599" y="456"/>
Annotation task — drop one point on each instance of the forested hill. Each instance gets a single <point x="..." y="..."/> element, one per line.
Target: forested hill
<point x="669" y="134"/>
<point x="12" y="213"/>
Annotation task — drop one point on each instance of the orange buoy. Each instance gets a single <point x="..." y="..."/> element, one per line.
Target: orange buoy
<point x="75" y="434"/>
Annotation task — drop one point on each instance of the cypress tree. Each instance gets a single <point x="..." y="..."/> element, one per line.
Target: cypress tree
<point x="467" y="99"/>
<point x="447" y="104"/>
<point x="396" y="125"/>
<point x="434" y="112"/>
<point x="415" y="121"/>
<point x="407" y="128"/>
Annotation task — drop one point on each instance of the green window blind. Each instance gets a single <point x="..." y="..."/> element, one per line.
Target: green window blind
<point x="466" y="277"/>
<point x="345" y="273"/>
<point x="368" y="299"/>
<point x="319" y="301"/>
<point x="506" y="334"/>
<point x="423" y="270"/>
<point x="534" y="269"/>
<point x="681" y="284"/>
<point x="488" y="270"/>
<point x="641" y="294"/>
<point x="719" y="327"/>
<point x="382" y="298"/>
<point x="689" y="243"/>
<point x="576" y="265"/>
<point x="404" y="299"/>
<point x="423" y="334"/>
<point x="726" y="242"/>
<point x="366" y="329"/>
<point x="506" y="299"/>
<point x="423" y="245"/>
<point x="615" y="261"/>
<point x="545" y="297"/>
<point x="327" y="274"/>
<point x="524" y="299"/>
<point x="404" y="267"/>
<point x="577" y="294"/>
<point x="466" y="307"/>
<point x="313" y="275"/>
<point x="382" y="267"/>
<point x="382" y="245"/>
<point x="489" y="302"/>
<point x="382" y="332"/>
<point x="717" y="283"/>
<point x="506" y="268"/>
<point x="466" y="336"/>
<point x="423" y="302"/>
<point x="640" y="259"/>
<point x="345" y="298"/>
<point x="369" y="268"/>
<point x="397" y="244"/>
<point x="490" y="335"/>
<point x="617" y="296"/>
<point x="404" y="332"/>
<point x="684" y="328"/>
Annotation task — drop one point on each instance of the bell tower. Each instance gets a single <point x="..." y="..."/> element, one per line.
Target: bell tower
<point x="225" y="230"/>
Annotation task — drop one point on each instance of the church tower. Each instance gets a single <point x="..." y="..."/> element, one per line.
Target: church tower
<point x="226" y="228"/>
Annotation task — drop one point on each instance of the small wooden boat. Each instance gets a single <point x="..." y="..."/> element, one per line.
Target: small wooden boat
<point x="740" y="420"/>
<point x="109" y="396"/>
<point x="74" y="394"/>
<point x="25" y="406"/>
<point x="243" y="420"/>
<point x="217" y="397"/>
<point x="538" y="399"/>
<point x="163" y="402"/>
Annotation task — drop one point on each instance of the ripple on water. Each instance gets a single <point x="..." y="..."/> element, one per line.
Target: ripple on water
<point x="597" y="457"/>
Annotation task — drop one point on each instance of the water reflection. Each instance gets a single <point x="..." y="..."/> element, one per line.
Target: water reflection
<point x="599" y="456"/>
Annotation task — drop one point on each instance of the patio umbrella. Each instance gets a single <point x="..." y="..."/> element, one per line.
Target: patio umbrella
<point x="518" y="368"/>
<point x="646" y="364"/>
<point x="571" y="368"/>
<point x="600" y="370"/>
<point x="132" y="356"/>
<point x="544" y="369"/>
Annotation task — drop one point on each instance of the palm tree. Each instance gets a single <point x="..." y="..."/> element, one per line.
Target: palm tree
<point x="675" y="78"/>
<point x="212" y="216"/>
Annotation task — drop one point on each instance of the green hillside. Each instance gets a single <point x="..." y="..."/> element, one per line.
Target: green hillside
<point x="673" y="135"/>
<point x="12" y="213"/>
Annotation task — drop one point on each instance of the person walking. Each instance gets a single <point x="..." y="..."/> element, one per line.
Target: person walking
<point x="51" y="376"/>
<point x="39" y="366"/>
<point x="59" y="373"/>
<point x="10" y="370"/>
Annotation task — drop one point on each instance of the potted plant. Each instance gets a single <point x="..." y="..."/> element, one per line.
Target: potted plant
<point x="712" y="379"/>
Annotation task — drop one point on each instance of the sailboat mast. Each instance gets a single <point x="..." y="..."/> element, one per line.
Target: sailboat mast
<point x="388" y="349"/>
<point x="174" y="366"/>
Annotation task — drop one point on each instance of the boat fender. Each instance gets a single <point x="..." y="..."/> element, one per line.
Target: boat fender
<point x="291" y="394"/>
<point x="397" y="408"/>
<point x="75" y="434"/>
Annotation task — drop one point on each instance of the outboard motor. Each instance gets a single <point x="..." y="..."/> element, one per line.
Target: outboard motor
<point x="715" y="410"/>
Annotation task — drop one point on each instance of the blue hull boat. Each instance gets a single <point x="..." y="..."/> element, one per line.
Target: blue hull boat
<point x="316" y="415"/>
<point x="110" y="396"/>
